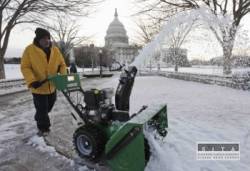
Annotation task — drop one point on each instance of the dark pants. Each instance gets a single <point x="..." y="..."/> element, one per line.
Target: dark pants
<point x="43" y="105"/>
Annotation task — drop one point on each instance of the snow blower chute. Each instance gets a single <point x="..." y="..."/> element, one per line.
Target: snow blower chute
<point x="107" y="134"/>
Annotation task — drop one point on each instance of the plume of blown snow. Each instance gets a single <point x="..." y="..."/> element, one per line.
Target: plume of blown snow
<point x="163" y="37"/>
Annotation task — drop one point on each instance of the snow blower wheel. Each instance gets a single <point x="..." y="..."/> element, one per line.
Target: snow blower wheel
<point x="89" y="142"/>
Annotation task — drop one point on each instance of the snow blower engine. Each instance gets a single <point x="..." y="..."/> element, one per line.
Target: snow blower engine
<point x="106" y="132"/>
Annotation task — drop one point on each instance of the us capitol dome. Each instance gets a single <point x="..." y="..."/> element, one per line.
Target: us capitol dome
<point x="117" y="41"/>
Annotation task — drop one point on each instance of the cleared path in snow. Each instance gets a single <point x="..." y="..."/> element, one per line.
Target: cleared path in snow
<point x="16" y="129"/>
<point x="20" y="148"/>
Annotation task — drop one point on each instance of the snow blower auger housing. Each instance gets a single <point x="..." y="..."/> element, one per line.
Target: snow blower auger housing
<point x="107" y="133"/>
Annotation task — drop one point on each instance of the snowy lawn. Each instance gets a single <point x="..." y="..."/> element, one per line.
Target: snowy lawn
<point x="196" y="113"/>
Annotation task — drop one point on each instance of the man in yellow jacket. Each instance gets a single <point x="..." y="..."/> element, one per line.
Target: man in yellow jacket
<point x="40" y="59"/>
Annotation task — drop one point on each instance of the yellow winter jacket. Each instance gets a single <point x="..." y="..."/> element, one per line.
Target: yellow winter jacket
<point x="35" y="67"/>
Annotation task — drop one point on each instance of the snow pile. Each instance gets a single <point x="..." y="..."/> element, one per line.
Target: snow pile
<point x="41" y="145"/>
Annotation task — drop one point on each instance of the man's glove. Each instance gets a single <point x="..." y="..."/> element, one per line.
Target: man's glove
<point x="36" y="84"/>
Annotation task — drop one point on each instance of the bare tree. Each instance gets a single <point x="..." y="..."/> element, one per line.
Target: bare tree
<point x="156" y="10"/>
<point x="225" y="34"/>
<point x="15" y="12"/>
<point x="146" y="31"/>
<point x="66" y="34"/>
<point x="178" y="39"/>
<point x="150" y="20"/>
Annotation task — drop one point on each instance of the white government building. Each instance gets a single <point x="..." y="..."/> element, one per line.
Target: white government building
<point x="117" y="41"/>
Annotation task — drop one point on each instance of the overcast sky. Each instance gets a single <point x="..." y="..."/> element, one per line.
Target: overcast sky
<point x="97" y="24"/>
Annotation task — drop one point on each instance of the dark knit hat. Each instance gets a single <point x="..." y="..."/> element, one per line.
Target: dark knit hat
<point x="40" y="33"/>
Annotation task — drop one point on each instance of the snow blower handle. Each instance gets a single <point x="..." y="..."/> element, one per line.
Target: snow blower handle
<point x="44" y="81"/>
<point x="66" y="82"/>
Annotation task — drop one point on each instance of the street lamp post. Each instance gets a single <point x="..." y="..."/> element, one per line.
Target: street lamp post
<point x="92" y="46"/>
<point x="100" y="59"/>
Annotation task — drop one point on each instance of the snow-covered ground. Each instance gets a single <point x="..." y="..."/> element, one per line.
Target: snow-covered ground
<point x="196" y="112"/>
<point x="18" y="148"/>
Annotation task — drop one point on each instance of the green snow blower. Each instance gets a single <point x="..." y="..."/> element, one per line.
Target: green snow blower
<point x="108" y="138"/>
